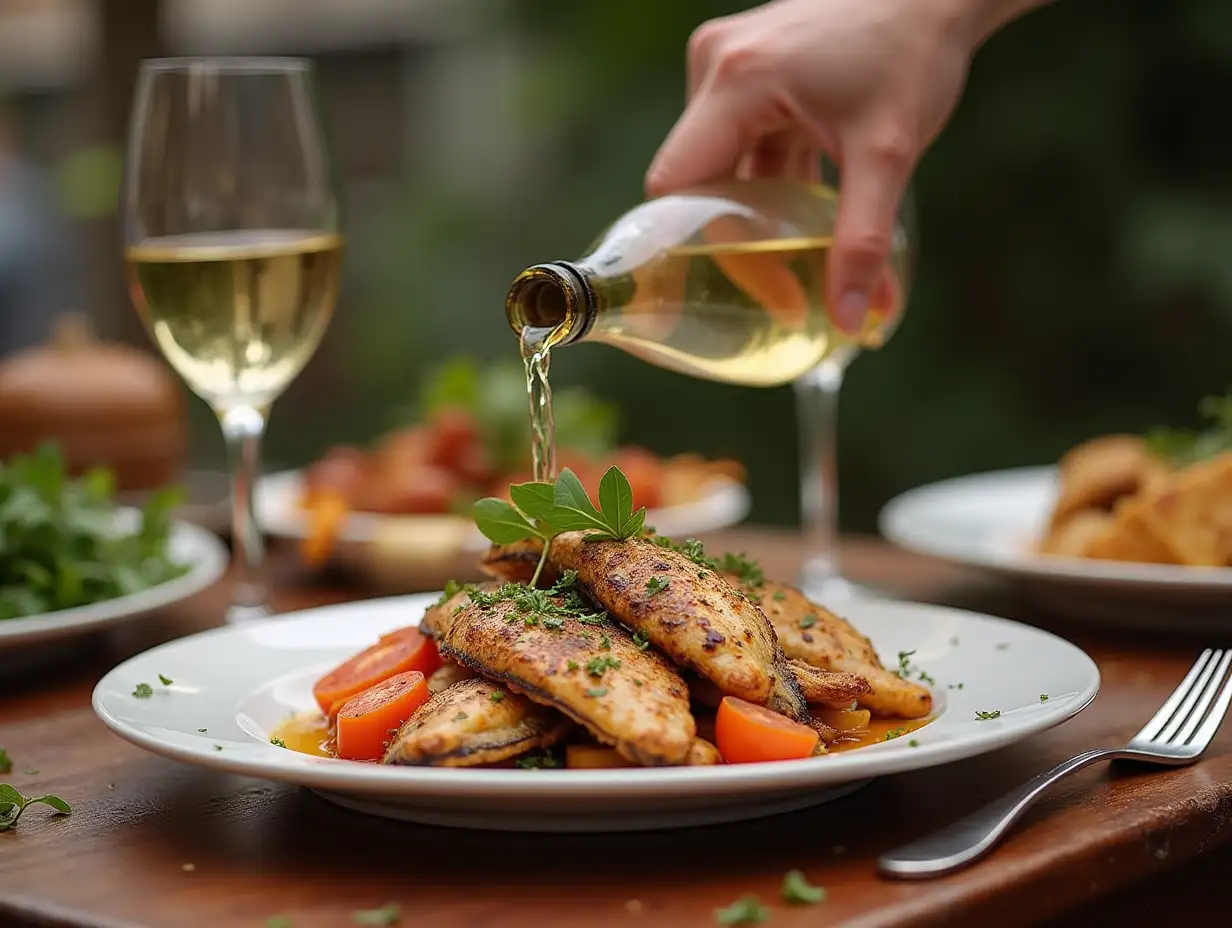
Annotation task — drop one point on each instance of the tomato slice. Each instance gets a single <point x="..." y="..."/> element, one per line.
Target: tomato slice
<point x="369" y="719"/>
<point x="747" y="734"/>
<point x="399" y="651"/>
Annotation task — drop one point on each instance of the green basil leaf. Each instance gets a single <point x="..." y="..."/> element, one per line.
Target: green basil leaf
<point x="534" y="499"/>
<point x="10" y="795"/>
<point x="55" y="802"/>
<point x="570" y="494"/>
<point x="633" y="527"/>
<point x="501" y="523"/>
<point x="616" y="499"/>
<point x="567" y="519"/>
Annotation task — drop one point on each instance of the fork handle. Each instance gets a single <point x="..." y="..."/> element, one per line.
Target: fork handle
<point x="969" y="838"/>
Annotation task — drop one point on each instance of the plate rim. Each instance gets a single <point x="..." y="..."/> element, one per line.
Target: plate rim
<point x="272" y="763"/>
<point x="727" y="500"/>
<point x="894" y="523"/>
<point x="210" y="563"/>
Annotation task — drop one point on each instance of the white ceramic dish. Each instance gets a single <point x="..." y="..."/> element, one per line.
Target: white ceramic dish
<point x="276" y="498"/>
<point x="992" y="521"/>
<point x="234" y="685"/>
<point x="199" y="549"/>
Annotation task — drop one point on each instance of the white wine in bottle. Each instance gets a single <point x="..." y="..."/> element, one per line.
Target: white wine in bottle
<point x="237" y="314"/>
<point x="724" y="283"/>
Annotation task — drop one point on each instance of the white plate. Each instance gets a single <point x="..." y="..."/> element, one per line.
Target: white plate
<point x="204" y="554"/>
<point x="238" y="683"/>
<point x="992" y="521"/>
<point x="277" y="496"/>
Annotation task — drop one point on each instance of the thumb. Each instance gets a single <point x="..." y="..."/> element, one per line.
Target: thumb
<point x="874" y="177"/>
<point x="706" y="144"/>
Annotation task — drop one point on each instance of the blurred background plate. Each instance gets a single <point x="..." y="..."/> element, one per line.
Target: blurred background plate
<point x="992" y="522"/>
<point x="417" y="552"/>
<point x="205" y="555"/>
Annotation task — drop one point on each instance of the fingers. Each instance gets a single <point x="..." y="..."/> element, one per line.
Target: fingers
<point x="706" y="144"/>
<point x="782" y="154"/>
<point x="875" y="175"/>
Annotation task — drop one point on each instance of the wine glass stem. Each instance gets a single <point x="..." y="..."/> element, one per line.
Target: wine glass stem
<point x="243" y="427"/>
<point x="817" y="411"/>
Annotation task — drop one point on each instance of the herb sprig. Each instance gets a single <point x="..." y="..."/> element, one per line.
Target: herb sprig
<point x="542" y="510"/>
<point x="13" y="804"/>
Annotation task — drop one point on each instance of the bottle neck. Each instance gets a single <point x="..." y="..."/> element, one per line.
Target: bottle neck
<point x="557" y="298"/>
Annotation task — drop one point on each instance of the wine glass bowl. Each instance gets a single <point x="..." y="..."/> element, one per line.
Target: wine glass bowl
<point x="232" y="246"/>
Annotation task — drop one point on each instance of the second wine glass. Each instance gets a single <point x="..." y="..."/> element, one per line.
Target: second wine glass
<point x="233" y="248"/>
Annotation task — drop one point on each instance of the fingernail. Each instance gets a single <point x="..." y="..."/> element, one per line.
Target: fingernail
<point x="850" y="311"/>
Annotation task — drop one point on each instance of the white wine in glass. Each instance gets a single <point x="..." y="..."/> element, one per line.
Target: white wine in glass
<point x="233" y="248"/>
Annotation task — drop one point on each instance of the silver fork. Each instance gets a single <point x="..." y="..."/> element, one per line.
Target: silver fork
<point x="1176" y="735"/>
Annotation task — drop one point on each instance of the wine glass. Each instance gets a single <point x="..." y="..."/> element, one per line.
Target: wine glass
<point x="817" y="392"/>
<point x="233" y="248"/>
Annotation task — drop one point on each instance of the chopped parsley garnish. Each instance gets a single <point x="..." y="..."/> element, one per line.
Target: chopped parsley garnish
<point x="913" y="743"/>
<point x="13" y="804"/>
<point x="143" y="691"/>
<point x="203" y="730"/>
<point x="637" y="682"/>
<point x="1043" y="697"/>
<point x="6" y="763"/>
<point x="1003" y="646"/>
<point x="748" y="571"/>
<point x="594" y="618"/>
<point x="553" y="622"/>
<point x="656" y="585"/>
<point x="278" y="742"/>
<point x="218" y="747"/>
<point x="956" y="686"/>
<point x="571" y="665"/>
<point x="460" y="716"/>
<point x="641" y="639"/>
<point x="904" y="663"/>
<point x="165" y="681"/>
<point x="754" y="598"/>
<point x="388" y="914"/>
<point x="797" y="889"/>
<point x="779" y="596"/>
<point x="747" y="910"/>
<point x="596" y="691"/>
<point x="605" y="642"/>
<point x="809" y="620"/>
<point x="596" y="665"/>
<point x="895" y="733"/>
<point x="985" y="716"/>
<point x="278" y="921"/>
<point x="926" y="677"/>
<point x="537" y="761"/>
<point x="496" y="696"/>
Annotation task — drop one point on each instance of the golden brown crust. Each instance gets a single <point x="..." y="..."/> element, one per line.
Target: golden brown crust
<point x="474" y="722"/>
<point x="816" y="636"/>
<point x="627" y="697"/>
<point x="698" y="619"/>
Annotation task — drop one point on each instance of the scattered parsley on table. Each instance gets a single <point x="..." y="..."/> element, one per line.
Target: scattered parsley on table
<point x="747" y="910"/>
<point x="797" y="889"/>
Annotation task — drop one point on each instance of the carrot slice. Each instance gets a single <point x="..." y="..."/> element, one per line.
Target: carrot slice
<point x="593" y="756"/>
<point x="398" y="652"/>
<point x="747" y="733"/>
<point x="369" y="719"/>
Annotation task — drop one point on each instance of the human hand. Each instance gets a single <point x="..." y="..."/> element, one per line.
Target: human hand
<point x="868" y="82"/>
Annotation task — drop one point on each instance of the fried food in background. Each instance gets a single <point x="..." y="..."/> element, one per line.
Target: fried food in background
<point x="1167" y="501"/>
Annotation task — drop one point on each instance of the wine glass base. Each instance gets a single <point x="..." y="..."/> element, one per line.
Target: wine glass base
<point x="238" y="614"/>
<point x="821" y="583"/>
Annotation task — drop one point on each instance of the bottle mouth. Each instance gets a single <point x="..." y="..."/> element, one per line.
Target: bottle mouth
<point x="548" y="298"/>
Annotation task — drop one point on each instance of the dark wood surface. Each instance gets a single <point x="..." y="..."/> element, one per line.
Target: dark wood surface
<point x="155" y="843"/>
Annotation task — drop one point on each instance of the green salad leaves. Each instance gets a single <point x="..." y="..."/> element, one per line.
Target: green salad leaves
<point x="61" y="544"/>
<point x="1182" y="447"/>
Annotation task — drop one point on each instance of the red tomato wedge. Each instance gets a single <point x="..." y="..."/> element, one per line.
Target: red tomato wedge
<point x="747" y="734"/>
<point x="397" y="652"/>
<point x="369" y="719"/>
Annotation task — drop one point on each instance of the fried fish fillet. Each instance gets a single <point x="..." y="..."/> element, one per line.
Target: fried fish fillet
<point x="816" y="636"/>
<point x="592" y="671"/>
<point x="819" y="687"/>
<point x="445" y="676"/>
<point x="436" y="618"/>
<point x="474" y="722"/>
<point x="516" y="562"/>
<point x="1097" y="473"/>
<point x="689" y="612"/>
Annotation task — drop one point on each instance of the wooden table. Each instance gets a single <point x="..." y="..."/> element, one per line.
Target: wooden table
<point x="155" y="843"/>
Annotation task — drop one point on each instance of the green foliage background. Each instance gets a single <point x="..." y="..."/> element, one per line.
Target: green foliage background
<point x="1074" y="229"/>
